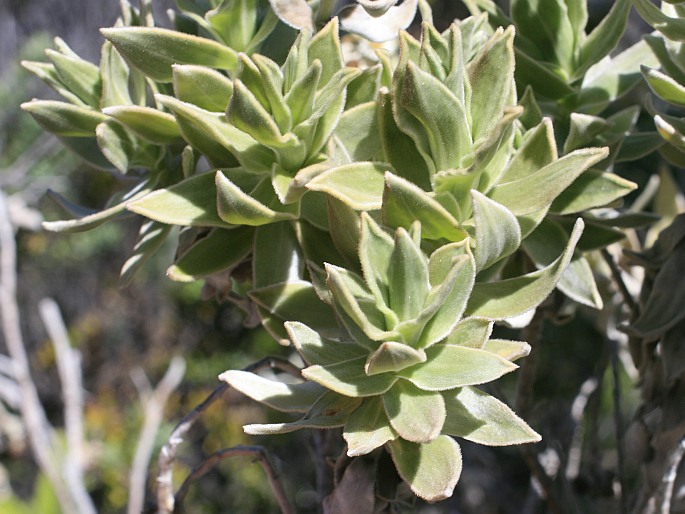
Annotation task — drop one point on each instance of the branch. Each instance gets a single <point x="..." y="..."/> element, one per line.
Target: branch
<point x="153" y="402"/>
<point x="167" y="455"/>
<point x="69" y="369"/>
<point x="259" y="453"/>
<point x="668" y="481"/>
<point x="38" y="429"/>
<point x="618" y="278"/>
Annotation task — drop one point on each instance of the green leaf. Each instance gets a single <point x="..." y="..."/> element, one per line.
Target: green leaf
<point x="498" y="234"/>
<point x="115" y="75"/>
<point x="478" y="417"/>
<point x="432" y="469"/>
<point x="151" y="237"/>
<point x="358" y="132"/>
<point x="538" y="190"/>
<point x="217" y="251"/>
<point x="404" y="202"/>
<point x="236" y="207"/>
<point x="375" y="251"/>
<point x="449" y="366"/>
<point x="367" y="428"/>
<point x="202" y="86"/>
<point x="510" y="350"/>
<point x="594" y="188"/>
<point x="154" y="50"/>
<point x="392" y="356"/>
<point x="316" y="349"/>
<point x="512" y="297"/>
<point x="64" y="119"/>
<point x="48" y="74"/>
<point x="604" y="37"/>
<point x="117" y="144"/>
<point x="442" y="120"/>
<point x="408" y="284"/>
<point x="277" y="255"/>
<point x="151" y="124"/>
<point x="325" y="47"/>
<point x="544" y="81"/>
<point x="235" y="22"/>
<point x="359" y="185"/>
<point x="577" y="281"/>
<point x="537" y="151"/>
<point x="329" y="411"/>
<point x="79" y="76"/>
<point x="491" y="76"/>
<point x="416" y="415"/>
<point x="664" y="86"/>
<point x="672" y="28"/>
<point x="672" y="129"/>
<point x="191" y="202"/>
<point x="471" y="333"/>
<point x="284" y="397"/>
<point x="296" y="301"/>
<point x="349" y="378"/>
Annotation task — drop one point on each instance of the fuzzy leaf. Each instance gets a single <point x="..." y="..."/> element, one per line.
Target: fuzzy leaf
<point x="349" y="378"/>
<point x="191" y="202"/>
<point x="664" y="86"/>
<point x="218" y="251"/>
<point x="450" y="366"/>
<point x="392" y="356"/>
<point x="672" y="28"/>
<point x="538" y="150"/>
<point x="151" y="237"/>
<point x="432" y="469"/>
<point x="154" y="50"/>
<point x="498" y="233"/>
<point x="512" y="297"/>
<point x="284" y="397"/>
<point x="375" y="251"/>
<point x="359" y="185"/>
<point x="510" y="350"/>
<point x="483" y="419"/>
<point x="151" y="124"/>
<point x="416" y="415"/>
<point x="408" y="284"/>
<point x="367" y="428"/>
<point x="64" y="119"/>
<point x="594" y="188"/>
<point x="471" y="333"/>
<point x="78" y="75"/>
<point x="202" y="86"/>
<point x="316" y="349"/>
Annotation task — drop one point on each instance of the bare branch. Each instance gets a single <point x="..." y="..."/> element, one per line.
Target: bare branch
<point x="259" y="453"/>
<point x="38" y="429"/>
<point x="165" y="494"/>
<point x="69" y="369"/>
<point x="153" y="402"/>
<point x="668" y="481"/>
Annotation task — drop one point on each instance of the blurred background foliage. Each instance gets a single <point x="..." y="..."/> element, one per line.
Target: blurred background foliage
<point x="573" y="405"/>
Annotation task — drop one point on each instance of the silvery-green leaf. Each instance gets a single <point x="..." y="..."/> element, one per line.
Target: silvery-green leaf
<point x="584" y="128"/>
<point x="404" y="202"/>
<point x="357" y="20"/>
<point x="277" y="256"/>
<point x="498" y="234"/>
<point x="416" y="415"/>
<point x="117" y="144"/>
<point x="604" y="37"/>
<point x="471" y="332"/>
<point x="297" y="397"/>
<point x="359" y="184"/>
<point x="345" y="228"/>
<point x="408" y="284"/>
<point x="511" y="297"/>
<point x="296" y="301"/>
<point x="365" y="87"/>
<point x="48" y="74"/>
<point x="367" y="428"/>
<point x="235" y="22"/>
<point x="538" y="150"/>
<point x="392" y="356"/>
<point x="664" y="86"/>
<point x="154" y="50"/>
<point x="538" y="190"/>
<point x="357" y="130"/>
<point x="441" y="116"/>
<point x="594" y="188"/>
<point x="64" y="119"/>
<point x="301" y="95"/>
<point x="577" y="281"/>
<point x="637" y="146"/>
<point x="151" y="124"/>
<point x="202" y="86"/>
<point x="316" y="349"/>
<point x="272" y="81"/>
<point x="79" y="76"/>
<point x="532" y="114"/>
<point x="672" y="28"/>
<point x="296" y="13"/>
<point x="612" y="77"/>
<point x="441" y="261"/>
<point x="375" y="251"/>
<point x="668" y="59"/>
<point x="191" y="202"/>
<point x="510" y="350"/>
<point x="449" y="366"/>
<point x="544" y="81"/>
<point x="219" y="250"/>
<point x="330" y="410"/>
<point x="325" y="47"/>
<point x="151" y="237"/>
<point x="432" y="469"/>
<point x="672" y="129"/>
<point x="349" y="378"/>
<point x="236" y="207"/>
<point x="491" y="75"/>
<point x="483" y="419"/>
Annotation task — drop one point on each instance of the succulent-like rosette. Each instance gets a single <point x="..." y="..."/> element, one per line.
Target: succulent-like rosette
<point x="403" y="370"/>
